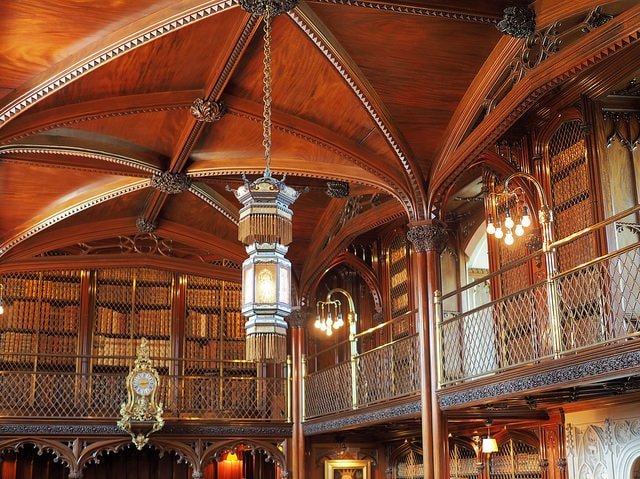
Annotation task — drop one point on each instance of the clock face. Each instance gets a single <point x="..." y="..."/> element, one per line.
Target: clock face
<point x="143" y="383"/>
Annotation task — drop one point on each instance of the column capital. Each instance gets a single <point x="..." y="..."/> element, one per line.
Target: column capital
<point x="428" y="236"/>
<point x="297" y="316"/>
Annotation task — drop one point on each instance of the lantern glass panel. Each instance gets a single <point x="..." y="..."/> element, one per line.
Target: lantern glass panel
<point x="284" y="295"/>
<point x="266" y="285"/>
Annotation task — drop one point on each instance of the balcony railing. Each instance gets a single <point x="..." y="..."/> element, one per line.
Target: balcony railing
<point x="592" y="304"/>
<point x="378" y="373"/>
<point x="231" y="392"/>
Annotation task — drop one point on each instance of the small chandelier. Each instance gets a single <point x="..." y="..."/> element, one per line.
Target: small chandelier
<point x="329" y="316"/>
<point x="508" y="215"/>
<point x="265" y="227"/>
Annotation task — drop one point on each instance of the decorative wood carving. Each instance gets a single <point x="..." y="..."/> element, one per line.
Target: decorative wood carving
<point x="518" y="21"/>
<point x="170" y="183"/>
<point x="428" y="237"/>
<point x="207" y="111"/>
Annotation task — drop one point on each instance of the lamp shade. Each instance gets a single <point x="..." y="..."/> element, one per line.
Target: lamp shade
<point x="489" y="445"/>
<point x="266" y="300"/>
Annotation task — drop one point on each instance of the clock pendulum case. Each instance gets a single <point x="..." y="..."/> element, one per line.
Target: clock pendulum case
<point x="141" y="415"/>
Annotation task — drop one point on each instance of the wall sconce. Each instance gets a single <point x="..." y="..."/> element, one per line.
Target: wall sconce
<point x="489" y="444"/>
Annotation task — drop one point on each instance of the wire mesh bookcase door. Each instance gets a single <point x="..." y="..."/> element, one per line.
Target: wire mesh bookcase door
<point x="573" y="204"/>
<point x="515" y="460"/>
<point x="462" y="462"/>
<point x="152" y="319"/>
<point x="39" y="341"/>
<point x="112" y="348"/>
<point x="202" y="336"/>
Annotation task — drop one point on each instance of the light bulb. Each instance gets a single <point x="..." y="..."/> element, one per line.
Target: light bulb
<point x="1" y="308"/>
<point x="508" y="221"/>
<point x="519" y="230"/>
<point x="508" y="238"/>
<point x="491" y="229"/>
<point x="318" y="323"/>
<point x="525" y="220"/>
<point x="499" y="233"/>
<point x="329" y="331"/>
<point x="323" y="326"/>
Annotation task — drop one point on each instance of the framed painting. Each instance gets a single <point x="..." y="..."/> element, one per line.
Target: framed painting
<point x="347" y="469"/>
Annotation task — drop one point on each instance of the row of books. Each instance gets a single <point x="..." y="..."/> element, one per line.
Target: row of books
<point x="202" y="325"/>
<point x="126" y="275"/>
<point x="32" y="315"/>
<point x="121" y="351"/>
<point x="234" y="325"/>
<point x="199" y="355"/>
<point x="114" y="293"/>
<point x="214" y="297"/>
<point x="153" y="295"/>
<point x="56" y="349"/>
<point x="399" y="278"/>
<point x="66" y="288"/>
<point x="150" y="322"/>
<point x="12" y="343"/>
<point x="234" y="350"/>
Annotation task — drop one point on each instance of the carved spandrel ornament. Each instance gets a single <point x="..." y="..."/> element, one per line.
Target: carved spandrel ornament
<point x="144" y="225"/>
<point x="428" y="237"/>
<point x="518" y="21"/>
<point x="170" y="183"/>
<point x="276" y="7"/>
<point x="207" y="111"/>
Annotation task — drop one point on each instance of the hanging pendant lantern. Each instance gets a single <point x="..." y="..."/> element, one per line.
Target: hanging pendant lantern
<point x="265" y="227"/>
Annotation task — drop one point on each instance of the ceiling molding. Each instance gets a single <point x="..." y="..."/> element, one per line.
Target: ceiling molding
<point x="133" y="163"/>
<point x="416" y="9"/>
<point x="313" y="27"/>
<point x="82" y="202"/>
<point x="115" y="45"/>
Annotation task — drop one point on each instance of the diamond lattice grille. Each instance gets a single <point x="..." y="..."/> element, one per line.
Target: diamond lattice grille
<point x="462" y="463"/>
<point x="571" y="199"/>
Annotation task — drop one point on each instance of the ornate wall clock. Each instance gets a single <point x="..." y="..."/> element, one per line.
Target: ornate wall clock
<point x="141" y="415"/>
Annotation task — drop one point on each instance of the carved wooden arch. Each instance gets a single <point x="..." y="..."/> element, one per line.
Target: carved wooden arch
<point x="526" y="437"/>
<point x="360" y="267"/>
<point x="215" y="451"/>
<point x="590" y="50"/>
<point x="402" y="450"/>
<point x="564" y="116"/>
<point x="88" y="232"/>
<point x="59" y="450"/>
<point x="360" y="455"/>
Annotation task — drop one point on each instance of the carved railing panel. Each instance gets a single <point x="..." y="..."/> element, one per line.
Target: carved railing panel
<point x="598" y="302"/>
<point x="64" y="394"/>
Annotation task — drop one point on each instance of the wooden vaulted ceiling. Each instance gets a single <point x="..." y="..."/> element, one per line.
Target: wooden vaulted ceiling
<point x="95" y="99"/>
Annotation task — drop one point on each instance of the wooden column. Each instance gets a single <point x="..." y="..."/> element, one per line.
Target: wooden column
<point x="429" y="239"/>
<point x="296" y="453"/>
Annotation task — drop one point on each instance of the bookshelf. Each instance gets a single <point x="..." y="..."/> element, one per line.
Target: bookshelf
<point x="39" y="329"/>
<point x="52" y="316"/>
<point x="131" y="304"/>
<point x="399" y="285"/>
<point x="214" y="327"/>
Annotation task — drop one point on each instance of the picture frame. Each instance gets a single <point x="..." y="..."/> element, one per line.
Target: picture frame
<point x="347" y="469"/>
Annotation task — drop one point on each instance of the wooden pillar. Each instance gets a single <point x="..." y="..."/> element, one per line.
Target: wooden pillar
<point x="296" y="453"/>
<point x="428" y="239"/>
